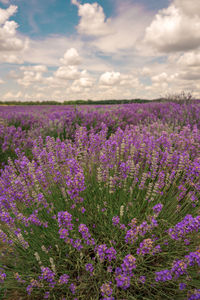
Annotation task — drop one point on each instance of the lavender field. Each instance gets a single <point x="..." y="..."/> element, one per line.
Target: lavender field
<point x="100" y="202"/>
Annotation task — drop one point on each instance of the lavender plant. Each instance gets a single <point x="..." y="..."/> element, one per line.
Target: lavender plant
<point x="106" y="211"/>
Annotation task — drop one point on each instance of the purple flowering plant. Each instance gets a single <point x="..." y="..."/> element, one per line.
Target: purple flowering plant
<point x="100" y="202"/>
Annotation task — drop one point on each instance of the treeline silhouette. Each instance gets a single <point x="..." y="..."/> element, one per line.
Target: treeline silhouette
<point x="80" y="102"/>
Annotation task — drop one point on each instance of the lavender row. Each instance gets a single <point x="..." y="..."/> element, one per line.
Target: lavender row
<point x="103" y="215"/>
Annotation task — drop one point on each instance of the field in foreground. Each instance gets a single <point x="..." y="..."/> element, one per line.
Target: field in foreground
<point x="100" y="202"/>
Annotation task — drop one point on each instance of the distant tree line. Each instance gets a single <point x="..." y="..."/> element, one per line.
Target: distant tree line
<point x="181" y="98"/>
<point x="80" y="102"/>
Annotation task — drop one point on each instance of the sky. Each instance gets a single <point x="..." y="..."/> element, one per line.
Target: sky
<point x="104" y="49"/>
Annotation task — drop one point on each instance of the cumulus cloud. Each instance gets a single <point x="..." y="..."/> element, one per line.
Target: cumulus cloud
<point x="189" y="75"/>
<point x="110" y="78"/>
<point x="29" y="78"/>
<point x="10" y="44"/>
<point x="145" y="71"/>
<point x="130" y="81"/>
<point x="174" y="29"/>
<point x="127" y="30"/>
<point x="5" y="14"/>
<point x="32" y="74"/>
<point x="1" y="81"/>
<point x="12" y="96"/>
<point x="85" y="81"/>
<point x="92" y="19"/>
<point x="190" y="8"/>
<point x="161" y="77"/>
<point x="71" y="58"/>
<point x="10" y="58"/>
<point x="67" y="72"/>
<point x="190" y="59"/>
<point x="36" y="68"/>
<point x="120" y="32"/>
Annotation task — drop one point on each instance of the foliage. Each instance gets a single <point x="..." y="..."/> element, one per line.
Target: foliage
<point x="100" y="203"/>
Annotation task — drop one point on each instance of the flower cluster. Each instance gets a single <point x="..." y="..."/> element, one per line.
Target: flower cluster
<point x="48" y="275"/>
<point x="89" y="268"/>
<point x="128" y="264"/>
<point x="140" y="230"/>
<point x="179" y="267"/>
<point x="63" y="279"/>
<point x="194" y="295"/>
<point x="157" y="208"/>
<point x="85" y="234"/>
<point x="147" y="247"/>
<point x="103" y="252"/>
<point x="163" y="275"/>
<point x="2" y="276"/>
<point x="186" y="226"/>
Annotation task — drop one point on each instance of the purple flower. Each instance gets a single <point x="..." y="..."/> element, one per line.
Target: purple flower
<point x="72" y="288"/>
<point x="111" y="253"/>
<point x="105" y="253"/>
<point x="179" y="267"/>
<point x="182" y="286"/>
<point x="34" y="283"/>
<point x="83" y="210"/>
<point x="106" y="290"/>
<point x="64" y="279"/>
<point x="122" y="226"/>
<point x="123" y="281"/>
<point x="2" y="276"/>
<point x="128" y="264"/>
<point x="195" y="295"/>
<point x="85" y="234"/>
<point x="142" y="279"/>
<point x="187" y="225"/>
<point x="46" y="295"/>
<point x="77" y="244"/>
<point x="163" y="275"/>
<point x="89" y="268"/>
<point x="109" y="269"/>
<point x="115" y="220"/>
<point x="145" y="247"/>
<point x="64" y="220"/>
<point x="157" y="208"/>
<point x="47" y="275"/>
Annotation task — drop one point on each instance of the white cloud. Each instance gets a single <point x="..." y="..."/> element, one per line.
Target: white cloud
<point x="71" y="58"/>
<point x="11" y="46"/>
<point x="30" y="77"/>
<point x="161" y="77"/>
<point x="1" y="81"/>
<point x="32" y="74"/>
<point x="145" y="71"/>
<point x="130" y="81"/>
<point x="37" y="68"/>
<point x="5" y="14"/>
<point x="12" y="96"/>
<point x="10" y="58"/>
<point x="190" y="75"/>
<point x="75" y="2"/>
<point x="126" y="29"/>
<point x="110" y="78"/>
<point x="43" y="51"/>
<point x="75" y="89"/>
<point x="67" y="72"/>
<point x="85" y="82"/>
<point x="190" y="59"/>
<point x="190" y="8"/>
<point x="92" y="19"/>
<point x="173" y="30"/>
